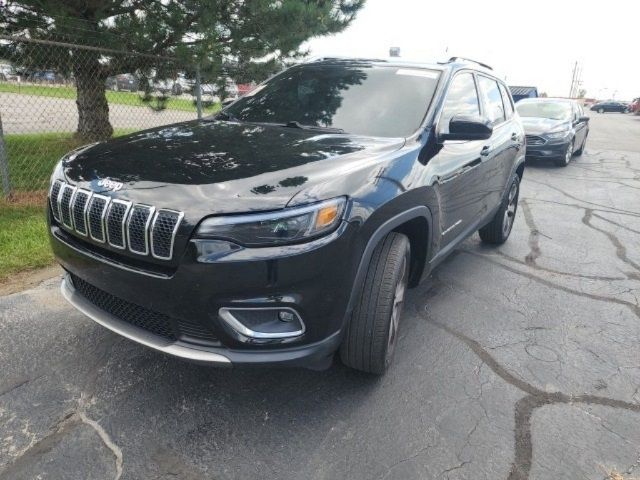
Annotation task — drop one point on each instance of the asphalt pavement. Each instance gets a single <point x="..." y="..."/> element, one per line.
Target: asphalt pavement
<point x="516" y="362"/>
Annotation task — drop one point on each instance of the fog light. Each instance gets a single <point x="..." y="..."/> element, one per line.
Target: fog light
<point x="262" y="324"/>
<point x="286" y="316"/>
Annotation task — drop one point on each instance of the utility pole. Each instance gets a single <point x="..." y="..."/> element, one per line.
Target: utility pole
<point x="573" y="79"/>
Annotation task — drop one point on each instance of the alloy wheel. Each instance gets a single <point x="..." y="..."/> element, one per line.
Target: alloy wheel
<point x="568" y="154"/>
<point x="396" y="312"/>
<point x="510" y="211"/>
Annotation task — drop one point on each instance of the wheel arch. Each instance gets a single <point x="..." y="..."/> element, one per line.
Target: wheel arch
<point x="416" y="223"/>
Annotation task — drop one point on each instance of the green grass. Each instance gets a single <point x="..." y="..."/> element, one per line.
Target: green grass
<point x="32" y="156"/>
<point x="119" y="98"/>
<point x="23" y="239"/>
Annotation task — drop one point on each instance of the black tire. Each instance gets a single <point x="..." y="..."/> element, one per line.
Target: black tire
<point x="371" y="335"/>
<point x="580" y="151"/>
<point x="601" y="110"/>
<point x="566" y="159"/>
<point x="498" y="230"/>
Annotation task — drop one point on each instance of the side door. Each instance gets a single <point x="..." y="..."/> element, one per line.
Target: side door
<point x="579" y="127"/>
<point x="501" y="148"/>
<point x="456" y="166"/>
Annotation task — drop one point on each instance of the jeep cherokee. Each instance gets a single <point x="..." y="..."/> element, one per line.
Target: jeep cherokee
<point x="289" y="225"/>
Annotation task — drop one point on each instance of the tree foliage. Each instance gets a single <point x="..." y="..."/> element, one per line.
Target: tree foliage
<point x="241" y="39"/>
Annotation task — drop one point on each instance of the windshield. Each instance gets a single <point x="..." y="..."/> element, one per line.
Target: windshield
<point x="551" y="110"/>
<point x="358" y="99"/>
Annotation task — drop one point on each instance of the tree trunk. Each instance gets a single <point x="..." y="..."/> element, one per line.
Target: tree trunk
<point x="93" y="109"/>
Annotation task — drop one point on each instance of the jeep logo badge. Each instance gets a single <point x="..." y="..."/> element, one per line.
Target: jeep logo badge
<point x="109" y="184"/>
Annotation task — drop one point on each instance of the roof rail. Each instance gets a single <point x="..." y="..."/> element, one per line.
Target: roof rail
<point x="453" y="59"/>
<point x="345" y="59"/>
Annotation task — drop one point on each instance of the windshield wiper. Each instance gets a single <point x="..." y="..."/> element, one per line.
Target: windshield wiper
<point x="296" y="124"/>
<point x="227" y="116"/>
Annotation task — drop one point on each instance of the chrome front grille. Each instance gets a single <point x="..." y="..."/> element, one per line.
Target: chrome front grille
<point x="140" y="229"/>
<point x="535" y="140"/>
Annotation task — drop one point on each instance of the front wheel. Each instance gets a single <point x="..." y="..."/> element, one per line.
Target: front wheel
<point x="580" y="151"/>
<point x="568" y="154"/>
<point x="372" y="333"/>
<point x="601" y="110"/>
<point x="498" y="230"/>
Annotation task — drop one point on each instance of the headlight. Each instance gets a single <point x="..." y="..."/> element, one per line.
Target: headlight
<point x="557" y="134"/>
<point x="277" y="228"/>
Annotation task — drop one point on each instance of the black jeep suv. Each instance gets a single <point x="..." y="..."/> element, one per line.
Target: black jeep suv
<point x="289" y="225"/>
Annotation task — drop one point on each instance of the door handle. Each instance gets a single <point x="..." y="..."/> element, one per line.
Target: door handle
<point x="486" y="150"/>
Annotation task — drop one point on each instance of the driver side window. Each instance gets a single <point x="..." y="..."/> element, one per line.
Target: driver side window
<point x="462" y="98"/>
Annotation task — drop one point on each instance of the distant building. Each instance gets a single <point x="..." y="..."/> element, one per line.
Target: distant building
<point x="519" y="93"/>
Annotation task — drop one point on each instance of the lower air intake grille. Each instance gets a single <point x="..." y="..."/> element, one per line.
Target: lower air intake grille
<point x="131" y="313"/>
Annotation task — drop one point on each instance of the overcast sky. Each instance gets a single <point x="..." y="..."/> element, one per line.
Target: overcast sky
<point x="533" y="42"/>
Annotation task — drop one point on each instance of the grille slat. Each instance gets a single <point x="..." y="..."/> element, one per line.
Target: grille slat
<point x="53" y="199"/>
<point x="141" y="229"/>
<point x="64" y="205"/>
<point x="138" y="228"/>
<point x="95" y="217"/>
<point x="79" y="209"/>
<point x="163" y="231"/>
<point x="116" y="217"/>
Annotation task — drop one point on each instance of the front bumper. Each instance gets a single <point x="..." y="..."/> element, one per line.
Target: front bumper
<point x="314" y="279"/>
<point x="550" y="150"/>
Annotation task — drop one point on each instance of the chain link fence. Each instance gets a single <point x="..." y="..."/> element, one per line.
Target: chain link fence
<point x="55" y="96"/>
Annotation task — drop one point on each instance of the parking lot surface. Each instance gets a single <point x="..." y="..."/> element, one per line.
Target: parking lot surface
<point x="516" y="362"/>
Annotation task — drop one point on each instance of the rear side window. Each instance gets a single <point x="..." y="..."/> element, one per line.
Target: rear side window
<point x="492" y="99"/>
<point x="462" y="98"/>
<point x="506" y="101"/>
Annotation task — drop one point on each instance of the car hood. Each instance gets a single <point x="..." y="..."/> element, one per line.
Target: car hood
<point x="211" y="167"/>
<point x="539" y="126"/>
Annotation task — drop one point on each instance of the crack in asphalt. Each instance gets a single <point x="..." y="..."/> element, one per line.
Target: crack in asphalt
<point x="635" y="308"/>
<point x="559" y="190"/>
<point x="57" y="432"/>
<point x="621" y="250"/>
<point x="526" y="406"/>
<point x="534" y="234"/>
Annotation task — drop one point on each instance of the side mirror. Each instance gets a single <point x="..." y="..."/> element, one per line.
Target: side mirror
<point x="467" y="127"/>
<point x="583" y="120"/>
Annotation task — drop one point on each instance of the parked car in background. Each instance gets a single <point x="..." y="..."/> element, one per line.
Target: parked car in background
<point x="556" y="129"/>
<point x="289" y="226"/>
<point x="48" y="77"/>
<point x="610" y="106"/>
<point x="123" y="82"/>
<point x="518" y="93"/>
<point x="244" y="88"/>
<point x="176" y="86"/>
<point x="217" y="93"/>
<point x="635" y="106"/>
